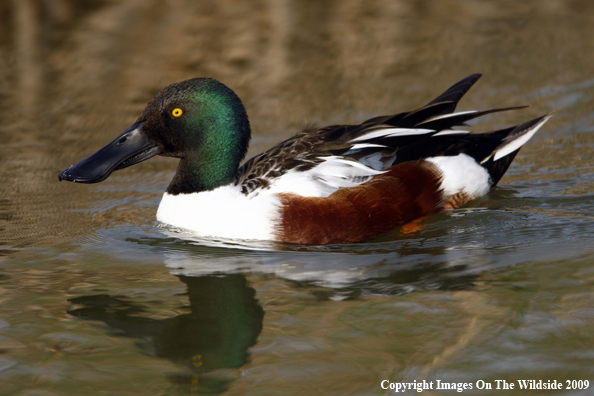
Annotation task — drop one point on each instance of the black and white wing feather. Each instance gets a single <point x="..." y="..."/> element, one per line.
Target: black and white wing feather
<point x="345" y="155"/>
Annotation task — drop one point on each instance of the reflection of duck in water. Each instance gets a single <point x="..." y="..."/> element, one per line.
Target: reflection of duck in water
<point x="338" y="184"/>
<point x="225" y="320"/>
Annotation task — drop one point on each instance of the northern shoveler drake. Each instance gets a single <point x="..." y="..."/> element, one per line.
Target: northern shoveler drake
<point x="337" y="184"/>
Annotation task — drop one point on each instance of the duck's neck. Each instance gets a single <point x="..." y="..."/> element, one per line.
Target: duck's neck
<point x="192" y="178"/>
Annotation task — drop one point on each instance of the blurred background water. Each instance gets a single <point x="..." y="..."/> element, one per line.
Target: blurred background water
<point x="95" y="298"/>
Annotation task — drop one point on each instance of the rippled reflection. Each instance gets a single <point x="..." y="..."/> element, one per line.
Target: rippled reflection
<point x="225" y="319"/>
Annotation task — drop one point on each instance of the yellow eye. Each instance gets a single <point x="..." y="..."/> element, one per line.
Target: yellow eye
<point x="177" y="112"/>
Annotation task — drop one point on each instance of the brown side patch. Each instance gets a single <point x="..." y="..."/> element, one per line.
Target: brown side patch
<point x="407" y="191"/>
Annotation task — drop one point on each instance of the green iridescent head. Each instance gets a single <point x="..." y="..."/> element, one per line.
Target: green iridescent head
<point x="204" y="123"/>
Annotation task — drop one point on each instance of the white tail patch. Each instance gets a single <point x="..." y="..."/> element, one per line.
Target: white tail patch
<point x="462" y="173"/>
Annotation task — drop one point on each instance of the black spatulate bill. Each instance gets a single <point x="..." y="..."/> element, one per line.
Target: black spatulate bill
<point x="130" y="148"/>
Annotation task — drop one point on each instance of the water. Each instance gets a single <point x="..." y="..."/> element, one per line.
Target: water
<point x="95" y="298"/>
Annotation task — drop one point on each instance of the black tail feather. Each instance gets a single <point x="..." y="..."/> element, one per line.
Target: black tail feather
<point x="446" y="123"/>
<point x="444" y="104"/>
<point x="496" y="164"/>
<point x="521" y="129"/>
<point x="498" y="168"/>
<point x="454" y="93"/>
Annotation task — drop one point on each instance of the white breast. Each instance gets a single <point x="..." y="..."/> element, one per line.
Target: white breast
<point x="223" y="212"/>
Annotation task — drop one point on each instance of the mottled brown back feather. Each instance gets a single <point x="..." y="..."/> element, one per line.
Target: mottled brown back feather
<point x="405" y="192"/>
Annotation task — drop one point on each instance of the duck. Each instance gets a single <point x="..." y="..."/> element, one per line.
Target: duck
<point x="337" y="184"/>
